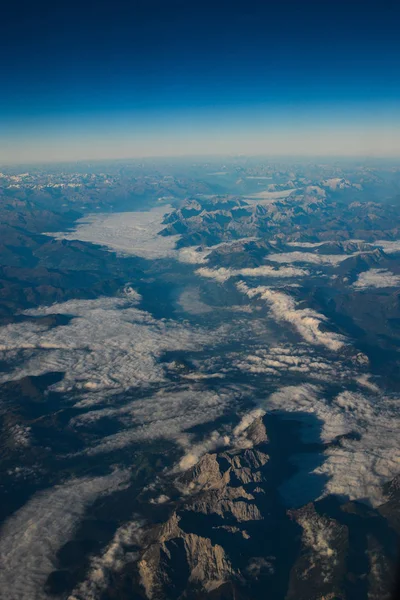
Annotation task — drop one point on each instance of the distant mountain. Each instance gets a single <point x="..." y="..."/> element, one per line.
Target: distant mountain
<point x="217" y="220"/>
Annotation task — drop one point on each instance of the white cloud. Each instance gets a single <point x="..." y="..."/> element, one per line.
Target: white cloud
<point x="267" y="197"/>
<point x="111" y="561"/>
<point x="320" y="535"/>
<point x="377" y="278"/>
<point x="307" y="244"/>
<point x="389" y="246"/>
<point x="196" y="451"/>
<point x="199" y="376"/>
<point x="311" y="257"/>
<point x="305" y="320"/>
<point x="221" y="275"/>
<point x="246" y="421"/>
<point x="237" y="438"/>
<point x="193" y="255"/>
<point x="29" y="539"/>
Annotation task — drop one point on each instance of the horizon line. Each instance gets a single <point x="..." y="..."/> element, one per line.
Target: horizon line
<point x="202" y="156"/>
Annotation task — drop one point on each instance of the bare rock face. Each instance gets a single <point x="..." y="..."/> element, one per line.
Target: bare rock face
<point x="195" y="553"/>
<point x="205" y="475"/>
<point x="221" y="481"/>
<point x="204" y="564"/>
<point x="256" y="432"/>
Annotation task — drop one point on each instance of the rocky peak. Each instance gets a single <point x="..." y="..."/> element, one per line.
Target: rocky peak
<point x="226" y="488"/>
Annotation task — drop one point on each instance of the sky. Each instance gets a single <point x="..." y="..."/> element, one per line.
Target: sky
<point x="87" y="80"/>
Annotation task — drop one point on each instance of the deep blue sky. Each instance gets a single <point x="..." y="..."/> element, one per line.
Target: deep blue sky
<point x="148" y="75"/>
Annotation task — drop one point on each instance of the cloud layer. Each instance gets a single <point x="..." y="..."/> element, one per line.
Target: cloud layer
<point x="29" y="540"/>
<point x="367" y="456"/>
<point x="108" y="347"/>
<point x="164" y="415"/>
<point x="129" y="233"/>
<point x="358" y="466"/>
<point x="306" y="321"/>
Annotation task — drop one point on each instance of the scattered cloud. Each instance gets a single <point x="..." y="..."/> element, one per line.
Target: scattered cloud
<point x="236" y="438"/>
<point x="367" y="455"/>
<point x="300" y="359"/>
<point x="246" y="421"/>
<point x="20" y="435"/>
<point x="111" y="347"/>
<point x="358" y="466"/>
<point x="198" y="376"/>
